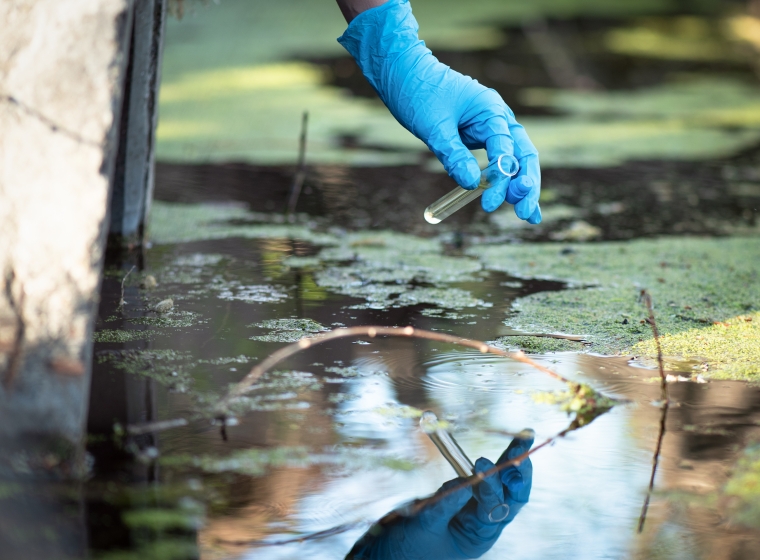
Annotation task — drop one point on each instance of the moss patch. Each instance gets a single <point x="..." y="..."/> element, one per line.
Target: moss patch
<point x="693" y="282"/>
<point x="731" y="348"/>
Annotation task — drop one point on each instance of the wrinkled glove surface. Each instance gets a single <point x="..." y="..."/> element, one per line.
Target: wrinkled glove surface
<point x="455" y="525"/>
<point x="446" y="110"/>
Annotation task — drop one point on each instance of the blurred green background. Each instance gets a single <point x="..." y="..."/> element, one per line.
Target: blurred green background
<point x="238" y="74"/>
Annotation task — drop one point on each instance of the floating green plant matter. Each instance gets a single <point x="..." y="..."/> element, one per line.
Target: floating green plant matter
<point x="693" y="283"/>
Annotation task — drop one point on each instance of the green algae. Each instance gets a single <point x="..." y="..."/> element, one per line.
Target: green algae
<point x="182" y="223"/>
<point x="535" y="344"/>
<point x="170" y="368"/>
<point x="731" y="347"/>
<point x="121" y="336"/>
<point x="391" y="270"/>
<point x="163" y="519"/>
<point x="693" y="282"/>
<point x="353" y="371"/>
<point x="230" y="90"/>
<point x="170" y="319"/>
<point x="743" y="487"/>
<point x="234" y="290"/>
<point x="257" y="462"/>
<point x="287" y="330"/>
<point x="165" y="548"/>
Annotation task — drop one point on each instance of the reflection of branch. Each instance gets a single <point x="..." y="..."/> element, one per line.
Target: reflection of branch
<point x="410" y="332"/>
<point x="665" y="405"/>
<point x="17" y="351"/>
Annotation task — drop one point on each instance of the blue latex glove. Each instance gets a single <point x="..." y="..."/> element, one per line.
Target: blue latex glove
<point x="456" y="526"/>
<point x="446" y="110"/>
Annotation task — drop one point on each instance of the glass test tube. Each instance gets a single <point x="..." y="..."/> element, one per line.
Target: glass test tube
<point x="446" y="444"/>
<point x="459" y="197"/>
<point x="457" y="458"/>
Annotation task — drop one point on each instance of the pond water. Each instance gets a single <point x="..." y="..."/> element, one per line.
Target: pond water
<point x="651" y="130"/>
<point x="329" y="441"/>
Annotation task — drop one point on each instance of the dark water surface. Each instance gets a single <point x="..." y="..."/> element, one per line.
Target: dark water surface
<point x="331" y="440"/>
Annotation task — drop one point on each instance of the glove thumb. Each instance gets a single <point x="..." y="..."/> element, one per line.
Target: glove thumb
<point x="458" y="161"/>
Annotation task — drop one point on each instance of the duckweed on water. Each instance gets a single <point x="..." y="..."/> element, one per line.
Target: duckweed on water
<point x="234" y="290"/>
<point x="537" y="344"/>
<point x="353" y="371"/>
<point x="173" y="319"/>
<point x="693" y="282"/>
<point x="744" y="487"/>
<point x="252" y="462"/>
<point x="287" y="330"/>
<point x="163" y="519"/>
<point x="182" y="223"/>
<point x="167" y="367"/>
<point x="121" y="336"/>
<point x="731" y="348"/>
<point x="257" y="462"/>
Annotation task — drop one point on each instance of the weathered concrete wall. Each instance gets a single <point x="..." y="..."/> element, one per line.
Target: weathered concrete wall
<point x="61" y="68"/>
<point x="133" y="184"/>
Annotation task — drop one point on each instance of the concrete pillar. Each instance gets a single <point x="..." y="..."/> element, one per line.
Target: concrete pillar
<point x="133" y="181"/>
<point x="61" y="74"/>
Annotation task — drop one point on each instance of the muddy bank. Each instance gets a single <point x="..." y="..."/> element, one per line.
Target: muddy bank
<point x="638" y="199"/>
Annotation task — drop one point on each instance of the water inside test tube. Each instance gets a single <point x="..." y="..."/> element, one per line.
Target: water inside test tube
<point x="459" y="197"/>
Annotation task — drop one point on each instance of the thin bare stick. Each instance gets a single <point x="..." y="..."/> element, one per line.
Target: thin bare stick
<point x="295" y="189"/>
<point x="408" y="332"/>
<point x="336" y="530"/>
<point x="122" y="301"/>
<point x="570" y="337"/>
<point x="664" y="397"/>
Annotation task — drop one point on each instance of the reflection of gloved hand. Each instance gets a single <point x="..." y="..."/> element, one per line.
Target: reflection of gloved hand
<point x="446" y="110"/>
<point x="457" y="525"/>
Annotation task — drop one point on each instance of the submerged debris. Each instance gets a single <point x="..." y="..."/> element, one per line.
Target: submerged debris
<point x="164" y="306"/>
<point x="580" y="399"/>
<point x="149" y="282"/>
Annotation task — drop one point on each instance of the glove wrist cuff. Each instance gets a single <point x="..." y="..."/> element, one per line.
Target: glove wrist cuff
<point x="377" y="38"/>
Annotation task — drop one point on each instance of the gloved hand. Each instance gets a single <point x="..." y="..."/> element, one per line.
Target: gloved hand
<point x="446" y="110"/>
<point x="457" y="525"/>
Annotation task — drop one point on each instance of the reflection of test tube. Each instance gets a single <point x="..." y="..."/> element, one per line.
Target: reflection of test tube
<point x="460" y="462"/>
<point x="459" y="197"/>
<point x="446" y="444"/>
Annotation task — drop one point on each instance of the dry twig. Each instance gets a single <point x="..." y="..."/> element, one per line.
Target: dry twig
<point x="295" y="189"/>
<point x="647" y="299"/>
<point x="122" y="301"/>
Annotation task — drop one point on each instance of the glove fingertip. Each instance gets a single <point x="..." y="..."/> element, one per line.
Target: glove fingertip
<point x="483" y="465"/>
<point x="492" y="198"/>
<point x="513" y="480"/>
<point x="466" y="174"/>
<point x="536" y="217"/>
